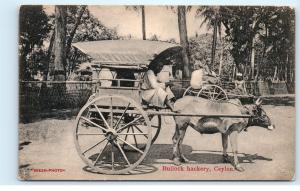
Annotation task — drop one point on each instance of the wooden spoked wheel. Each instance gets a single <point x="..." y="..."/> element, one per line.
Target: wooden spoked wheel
<point x="155" y="121"/>
<point x="190" y="91"/>
<point x="107" y="124"/>
<point x="213" y="92"/>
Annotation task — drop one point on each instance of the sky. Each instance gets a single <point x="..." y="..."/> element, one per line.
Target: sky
<point x="160" y="20"/>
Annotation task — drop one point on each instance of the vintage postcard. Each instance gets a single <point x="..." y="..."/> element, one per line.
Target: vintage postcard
<point x="156" y="92"/>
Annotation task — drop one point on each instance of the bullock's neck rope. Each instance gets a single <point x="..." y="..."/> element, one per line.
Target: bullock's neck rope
<point x="253" y="117"/>
<point x="246" y="108"/>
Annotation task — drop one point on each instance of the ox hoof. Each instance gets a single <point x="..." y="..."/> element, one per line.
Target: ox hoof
<point x="239" y="168"/>
<point x="226" y="159"/>
<point x="177" y="161"/>
<point x="184" y="159"/>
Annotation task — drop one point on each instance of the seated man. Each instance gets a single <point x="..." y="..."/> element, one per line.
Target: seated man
<point x="155" y="92"/>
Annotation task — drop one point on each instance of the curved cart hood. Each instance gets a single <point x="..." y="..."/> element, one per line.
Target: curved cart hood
<point x="136" y="54"/>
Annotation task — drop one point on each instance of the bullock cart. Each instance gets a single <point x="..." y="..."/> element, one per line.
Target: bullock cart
<point x="115" y="129"/>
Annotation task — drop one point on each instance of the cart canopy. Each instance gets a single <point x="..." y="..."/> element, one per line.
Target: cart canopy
<point x="134" y="54"/>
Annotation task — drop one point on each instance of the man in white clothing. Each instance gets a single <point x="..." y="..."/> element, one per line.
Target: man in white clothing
<point x="202" y="74"/>
<point x="197" y="76"/>
<point x="154" y="91"/>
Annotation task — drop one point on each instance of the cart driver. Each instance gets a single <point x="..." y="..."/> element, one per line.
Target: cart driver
<point x="154" y="91"/>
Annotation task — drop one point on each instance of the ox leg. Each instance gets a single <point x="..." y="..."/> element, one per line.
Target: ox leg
<point x="225" y="146"/>
<point x="233" y="142"/>
<point x="181" y="137"/>
<point x="175" y="139"/>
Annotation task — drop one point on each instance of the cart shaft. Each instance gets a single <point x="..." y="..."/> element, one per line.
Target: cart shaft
<point x="167" y="113"/>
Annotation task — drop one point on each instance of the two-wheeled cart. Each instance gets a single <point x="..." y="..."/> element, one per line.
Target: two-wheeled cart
<point x="115" y="129"/>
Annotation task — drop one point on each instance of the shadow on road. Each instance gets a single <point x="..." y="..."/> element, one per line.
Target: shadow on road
<point x="140" y="169"/>
<point x="164" y="151"/>
<point x="214" y="158"/>
<point x="103" y="161"/>
<point x="36" y="116"/>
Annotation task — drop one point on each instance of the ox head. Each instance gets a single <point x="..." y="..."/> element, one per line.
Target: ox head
<point x="260" y="117"/>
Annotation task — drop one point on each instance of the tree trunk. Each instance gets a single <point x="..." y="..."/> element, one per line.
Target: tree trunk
<point x="233" y="71"/>
<point x="184" y="41"/>
<point x="252" y="62"/>
<point x="260" y="63"/>
<point x="59" y="43"/>
<point x="214" y="44"/>
<point x="275" y="73"/>
<point x="287" y="68"/>
<point x="143" y="22"/>
<point x="221" y="56"/>
<point x="73" y="31"/>
<point x="49" y="53"/>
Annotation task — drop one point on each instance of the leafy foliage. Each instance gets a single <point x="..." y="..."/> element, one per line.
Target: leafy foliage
<point x="271" y="28"/>
<point x="200" y="50"/>
<point x="91" y="29"/>
<point x="34" y="28"/>
<point x="269" y="32"/>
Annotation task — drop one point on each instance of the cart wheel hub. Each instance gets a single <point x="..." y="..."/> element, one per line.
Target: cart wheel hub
<point x="111" y="135"/>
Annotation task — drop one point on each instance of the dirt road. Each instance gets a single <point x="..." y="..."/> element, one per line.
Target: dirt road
<point x="265" y="155"/>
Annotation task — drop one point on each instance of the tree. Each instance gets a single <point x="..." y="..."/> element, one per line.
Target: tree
<point x="240" y="32"/>
<point x="138" y="9"/>
<point x="143" y="22"/>
<point x="213" y="18"/>
<point x="73" y="30"/>
<point x="278" y="38"/>
<point x="262" y="40"/>
<point x="34" y="26"/>
<point x="200" y="50"/>
<point x="181" y="11"/>
<point x="257" y="17"/>
<point x="59" y="43"/>
<point x="34" y="29"/>
<point x="80" y="26"/>
<point x="90" y="29"/>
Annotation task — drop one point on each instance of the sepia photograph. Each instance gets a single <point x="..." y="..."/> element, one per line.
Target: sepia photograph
<point x="140" y="92"/>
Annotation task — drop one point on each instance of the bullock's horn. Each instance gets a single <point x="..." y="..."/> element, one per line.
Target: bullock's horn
<point x="258" y="101"/>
